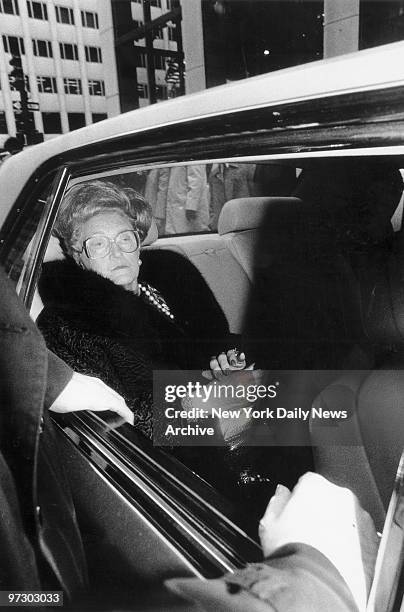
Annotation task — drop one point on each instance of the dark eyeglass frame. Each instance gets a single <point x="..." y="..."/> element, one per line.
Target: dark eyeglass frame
<point x="111" y="241"/>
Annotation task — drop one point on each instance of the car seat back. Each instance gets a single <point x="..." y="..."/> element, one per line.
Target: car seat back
<point x="362" y="450"/>
<point x="212" y="261"/>
<point x="239" y="223"/>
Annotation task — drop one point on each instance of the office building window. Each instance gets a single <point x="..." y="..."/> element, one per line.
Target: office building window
<point x="93" y="54"/>
<point x="141" y="60"/>
<point x="72" y="86"/>
<point x="98" y="117"/>
<point x="9" y="6"/>
<point x="380" y="23"/>
<point x="96" y="88"/>
<point x="46" y="84"/>
<point x="68" y="51"/>
<point x="3" y="123"/>
<point x="159" y="62"/>
<point x="161" y="92"/>
<point x="42" y="48"/>
<point x="171" y="33"/>
<point x="64" y="15"/>
<point x="143" y="91"/>
<point x="76" y="120"/>
<point x="51" y="123"/>
<point x="89" y="20"/>
<point x="37" y="10"/>
<point x="13" y="44"/>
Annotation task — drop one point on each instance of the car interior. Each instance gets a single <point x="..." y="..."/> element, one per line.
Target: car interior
<point x="297" y="276"/>
<point x="305" y="274"/>
<point x="311" y="281"/>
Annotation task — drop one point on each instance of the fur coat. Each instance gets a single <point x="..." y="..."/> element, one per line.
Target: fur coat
<point x="103" y="330"/>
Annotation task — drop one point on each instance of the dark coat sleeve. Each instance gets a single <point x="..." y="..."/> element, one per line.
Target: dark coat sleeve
<point x="59" y="375"/>
<point x="14" y="319"/>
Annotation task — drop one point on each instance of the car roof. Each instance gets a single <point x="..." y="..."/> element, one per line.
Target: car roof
<point x="380" y="67"/>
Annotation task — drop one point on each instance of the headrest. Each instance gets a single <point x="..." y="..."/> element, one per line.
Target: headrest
<point x="54" y="250"/>
<point x="152" y="234"/>
<point x="247" y="213"/>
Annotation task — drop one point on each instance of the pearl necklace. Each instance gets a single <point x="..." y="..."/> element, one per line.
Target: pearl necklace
<point x="155" y="299"/>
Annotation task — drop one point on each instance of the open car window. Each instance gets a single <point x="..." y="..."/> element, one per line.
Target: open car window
<point x="274" y="278"/>
<point x="202" y="189"/>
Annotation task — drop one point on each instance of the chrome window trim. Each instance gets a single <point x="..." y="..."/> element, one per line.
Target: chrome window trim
<point x="346" y="117"/>
<point x="211" y="547"/>
<point x="150" y="525"/>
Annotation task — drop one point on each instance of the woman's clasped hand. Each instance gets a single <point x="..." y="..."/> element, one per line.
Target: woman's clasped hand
<point x="225" y="363"/>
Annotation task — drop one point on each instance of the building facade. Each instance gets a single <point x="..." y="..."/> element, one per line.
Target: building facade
<point x="86" y="60"/>
<point x="148" y="45"/>
<point x="63" y="53"/>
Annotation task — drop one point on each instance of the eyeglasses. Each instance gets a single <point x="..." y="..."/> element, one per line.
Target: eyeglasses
<point x="99" y="245"/>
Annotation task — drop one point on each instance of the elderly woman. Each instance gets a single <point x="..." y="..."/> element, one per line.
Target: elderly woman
<point x="98" y="317"/>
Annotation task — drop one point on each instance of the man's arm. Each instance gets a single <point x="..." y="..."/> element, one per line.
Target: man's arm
<point x="319" y="550"/>
<point x="68" y="391"/>
<point x="295" y="577"/>
<point x="59" y="375"/>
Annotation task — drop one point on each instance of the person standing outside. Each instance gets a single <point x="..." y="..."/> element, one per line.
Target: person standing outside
<point x="181" y="203"/>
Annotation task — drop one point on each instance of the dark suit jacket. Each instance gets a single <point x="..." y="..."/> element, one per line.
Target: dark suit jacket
<point x="40" y="541"/>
